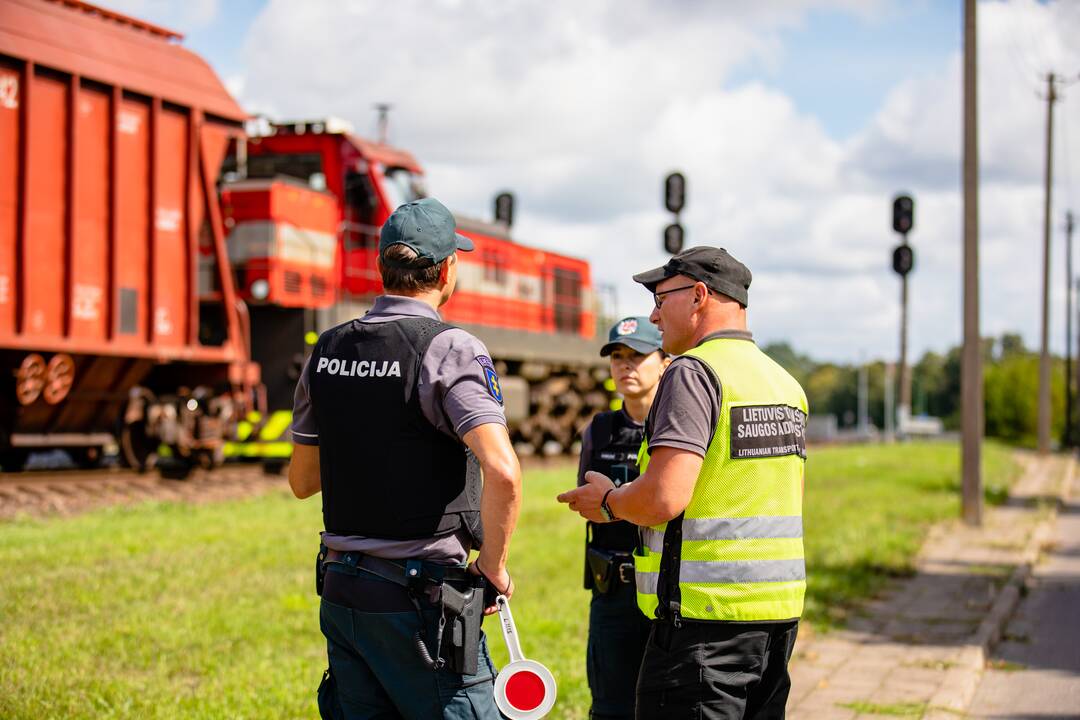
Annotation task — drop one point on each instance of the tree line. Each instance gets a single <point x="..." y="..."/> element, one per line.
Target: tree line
<point x="1010" y="389"/>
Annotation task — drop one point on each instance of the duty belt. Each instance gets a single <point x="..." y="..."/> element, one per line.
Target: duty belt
<point x="461" y="609"/>
<point x="405" y="573"/>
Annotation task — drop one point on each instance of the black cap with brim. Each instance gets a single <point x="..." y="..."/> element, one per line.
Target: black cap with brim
<point x="651" y="278"/>
<point x="713" y="266"/>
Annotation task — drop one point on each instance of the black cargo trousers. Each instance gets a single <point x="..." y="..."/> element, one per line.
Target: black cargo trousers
<point x="716" y="671"/>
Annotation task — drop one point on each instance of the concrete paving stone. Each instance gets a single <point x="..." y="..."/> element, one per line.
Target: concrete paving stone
<point x="893" y="696"/>
<point x="828" y="656"/>
<point x="922" y="691"/>
<point x="864" y="663"/>
<point x="907" y="675"/>
<point x="826" y="713"/>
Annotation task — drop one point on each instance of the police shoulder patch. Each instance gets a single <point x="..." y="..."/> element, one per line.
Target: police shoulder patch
<point x="491" y="378"/>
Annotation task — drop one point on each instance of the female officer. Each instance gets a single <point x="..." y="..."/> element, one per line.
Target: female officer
<point x="617" y="629"/>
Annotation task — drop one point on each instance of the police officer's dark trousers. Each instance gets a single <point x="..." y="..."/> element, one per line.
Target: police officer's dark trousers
<point x="618" y="632"/>
<point x="376" y="672"/>
<point x="716" y="671"/>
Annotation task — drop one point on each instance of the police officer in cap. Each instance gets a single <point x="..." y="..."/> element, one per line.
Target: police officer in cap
<point x="609" y="445"/>
<point x="396" y="417"/>
<point x="719" y="501"/>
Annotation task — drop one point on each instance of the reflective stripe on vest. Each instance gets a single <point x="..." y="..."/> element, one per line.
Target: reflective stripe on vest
<point x="741" y="552"/>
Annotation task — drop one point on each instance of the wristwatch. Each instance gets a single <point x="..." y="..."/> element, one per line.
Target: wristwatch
<point x="605" y="509"/>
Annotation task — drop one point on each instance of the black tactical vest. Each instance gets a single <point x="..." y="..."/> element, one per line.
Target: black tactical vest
<point x="387" y="472"/>
<point x="615" y="444"/>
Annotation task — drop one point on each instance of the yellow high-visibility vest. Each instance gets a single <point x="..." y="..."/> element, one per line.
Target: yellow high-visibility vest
<point x="737" y="549"/>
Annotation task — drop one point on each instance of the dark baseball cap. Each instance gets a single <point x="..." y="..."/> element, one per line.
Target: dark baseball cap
<point x="636" y="333"/>
<point x="425" y="226"/>
<point x="713" y="266"/>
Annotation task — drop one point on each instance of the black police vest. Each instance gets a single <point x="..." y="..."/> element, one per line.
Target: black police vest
<point x="615" y="445"/>
<point x="387" y="472"/>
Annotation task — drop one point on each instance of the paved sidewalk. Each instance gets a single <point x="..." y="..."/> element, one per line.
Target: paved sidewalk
<point x="1035" y="671"/>
<point x="918" y="650"/>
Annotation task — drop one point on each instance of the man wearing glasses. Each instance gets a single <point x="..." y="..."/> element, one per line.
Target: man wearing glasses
<point x="719" y="503"/>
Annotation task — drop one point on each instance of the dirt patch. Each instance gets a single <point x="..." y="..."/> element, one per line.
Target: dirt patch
<point x="44" y="494"/>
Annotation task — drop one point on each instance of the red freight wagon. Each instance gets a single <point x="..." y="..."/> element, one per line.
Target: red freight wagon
<point x="117" y="304"/>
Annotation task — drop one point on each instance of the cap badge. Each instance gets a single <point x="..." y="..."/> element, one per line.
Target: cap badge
<point x="627" y="327"/>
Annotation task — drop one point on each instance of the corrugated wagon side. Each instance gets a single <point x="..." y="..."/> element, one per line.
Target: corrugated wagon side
<point x="118" y="314"/>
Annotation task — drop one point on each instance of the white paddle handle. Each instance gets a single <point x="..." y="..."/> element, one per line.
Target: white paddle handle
<point x="509" y="631"/>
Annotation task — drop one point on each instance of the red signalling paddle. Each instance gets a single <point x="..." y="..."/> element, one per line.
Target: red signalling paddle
<point x="524" y="689"/>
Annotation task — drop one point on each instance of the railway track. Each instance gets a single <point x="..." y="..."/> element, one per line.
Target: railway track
<point x="39" y="493"/>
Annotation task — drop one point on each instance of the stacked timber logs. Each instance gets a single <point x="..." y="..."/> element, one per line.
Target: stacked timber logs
<point x="562" y="401"/>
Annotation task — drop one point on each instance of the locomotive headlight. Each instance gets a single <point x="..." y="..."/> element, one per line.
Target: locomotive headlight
<point x="260" y="289"/>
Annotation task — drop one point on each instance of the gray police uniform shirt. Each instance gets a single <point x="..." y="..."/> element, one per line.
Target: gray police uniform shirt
<point x="454" y="397"/>
<point x="687" y="403"/>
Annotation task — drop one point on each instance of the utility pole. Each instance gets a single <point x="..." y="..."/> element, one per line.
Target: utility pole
<point x="1077" y="378"/>
<point x="1067" y="439"/>
<point x="971" y="383"/>
<point x="890" y="434"/>
<point x="864" y="399"/>
<point x="1044" y="350"/>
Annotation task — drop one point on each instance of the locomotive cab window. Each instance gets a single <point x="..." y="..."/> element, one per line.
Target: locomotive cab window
<point x="359" y="230"/>
<point x="307" y="167"/>
<point x="402" y="186"/>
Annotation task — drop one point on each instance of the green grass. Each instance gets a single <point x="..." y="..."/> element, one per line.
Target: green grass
<point x="177" y="611"/>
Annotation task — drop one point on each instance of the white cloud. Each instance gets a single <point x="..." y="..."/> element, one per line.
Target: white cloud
<point x="581" y="108"/>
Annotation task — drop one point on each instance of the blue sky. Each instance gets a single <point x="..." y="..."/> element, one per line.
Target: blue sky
<point x="838" y="66"/>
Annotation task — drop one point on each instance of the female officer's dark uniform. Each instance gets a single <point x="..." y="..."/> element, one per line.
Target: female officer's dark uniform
<point x="617" y="628"/>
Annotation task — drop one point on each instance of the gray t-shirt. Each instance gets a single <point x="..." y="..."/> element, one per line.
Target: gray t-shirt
<point x="454" y="397"/>
<point x="686" y="408"/>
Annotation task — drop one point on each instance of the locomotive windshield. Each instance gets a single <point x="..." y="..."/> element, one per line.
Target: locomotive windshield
<point x="403" y="186"/>
<point x="307" y="167"/>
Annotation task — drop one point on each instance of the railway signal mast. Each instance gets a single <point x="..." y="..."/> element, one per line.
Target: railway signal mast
<point x="674" y="201"/>
<point x="903" y="260"/>
<point x="504" y="208"/>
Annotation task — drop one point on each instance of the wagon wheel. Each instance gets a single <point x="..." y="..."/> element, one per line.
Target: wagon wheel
<point x="30" y="379"/>
<point x="58" y="378"/>
<point x="175" y="467"/>
<point x="137" y="449"/>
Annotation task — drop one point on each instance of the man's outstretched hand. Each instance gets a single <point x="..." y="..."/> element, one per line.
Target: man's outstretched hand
<point x="585" y="500"/>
